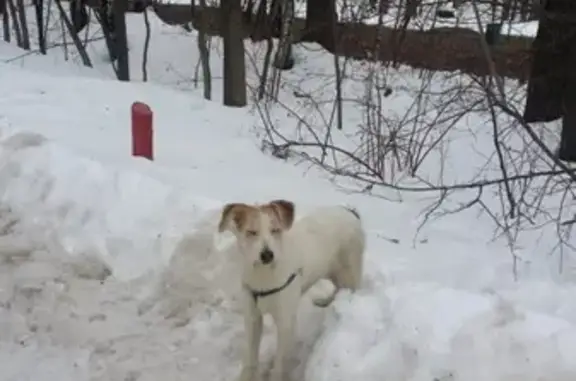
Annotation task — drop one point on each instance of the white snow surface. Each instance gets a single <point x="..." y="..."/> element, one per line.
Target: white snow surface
<point x="110" y="268"/>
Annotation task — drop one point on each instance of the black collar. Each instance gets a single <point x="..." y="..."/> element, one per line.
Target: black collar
<point x="261" y="294"/>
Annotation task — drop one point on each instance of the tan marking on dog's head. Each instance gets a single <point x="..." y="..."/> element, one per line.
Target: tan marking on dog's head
<point x="283" y="211"/>
<point x="244" y="216"/>
<point x="234" y="213"/>
<point x="258" y="229"/>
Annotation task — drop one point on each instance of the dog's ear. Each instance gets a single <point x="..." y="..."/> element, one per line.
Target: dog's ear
<point x="285" y="211"/>
<point x="233" y="213"/>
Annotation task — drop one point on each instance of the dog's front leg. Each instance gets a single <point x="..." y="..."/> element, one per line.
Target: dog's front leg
<point x="253" y="328"/>
<point x="285" y="325"/>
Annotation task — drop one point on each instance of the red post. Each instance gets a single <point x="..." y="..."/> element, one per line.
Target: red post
<point x="142" y="133"/>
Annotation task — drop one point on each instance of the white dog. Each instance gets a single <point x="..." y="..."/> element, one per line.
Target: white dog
<point x="281" y="261"/>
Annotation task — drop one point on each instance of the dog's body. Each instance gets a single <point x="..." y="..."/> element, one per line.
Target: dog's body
<point x="281" y="262"/>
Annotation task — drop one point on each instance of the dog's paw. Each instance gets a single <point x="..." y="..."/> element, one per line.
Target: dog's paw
<point x="323" y="302"/>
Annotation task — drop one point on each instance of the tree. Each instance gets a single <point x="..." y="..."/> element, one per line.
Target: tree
<point x="234" y="61"/>
<point x="552" y="81"/>
<point x="119" y="8"/>
<point x="204" y="51"/>
<point x="284" y="15"/>
<point x="39" y="10"/>
<point x="320" y="23"/>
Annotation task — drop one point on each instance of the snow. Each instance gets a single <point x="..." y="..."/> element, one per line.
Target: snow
<point x="110" y="268"/>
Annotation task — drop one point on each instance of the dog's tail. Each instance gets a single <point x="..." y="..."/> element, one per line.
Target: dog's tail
<point x="352" y="210"/>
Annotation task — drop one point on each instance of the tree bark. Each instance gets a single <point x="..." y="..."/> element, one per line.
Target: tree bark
<point x="77" y="43"/>
<point x="234" y="61"/>
<point x="553" y="62"/>
<point x="39" y="11"/>
<point x="146" y="46"/>
<point x="108" y="29"/>
<point x="202" y="40"/>
<point x="284" y="59"/>
<point x="551" y="86"/>
<point x="119" y="8"/>
<point x="320" y="17"/>
<point x="5" y="21"/>
<point x="23" y="24"/>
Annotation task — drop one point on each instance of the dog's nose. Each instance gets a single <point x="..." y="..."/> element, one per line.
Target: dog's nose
<point x="266" y="256"/>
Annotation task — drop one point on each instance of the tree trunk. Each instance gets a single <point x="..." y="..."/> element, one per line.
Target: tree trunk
<point x="146" y="46"/>
<point x="78" y="15"/>
<point x="5" y="21"/>
<point x="204" y="53"/>
<point x="39" y="11"/>
<point x="382" y="7"/>
<point x="103" y="16"/>
<point x="567" y="149"/>
<point x="553" y="60"/>
<point x="234" y="61"/>
<point x="119" y="8"/>
<point x="320" y="16"/>
<point x="552" y="80"/>
<point x="284" y="59"/>
<point x="77" y="43"/>
<point x="15" y="24"/>
<point x="23" y="24"/>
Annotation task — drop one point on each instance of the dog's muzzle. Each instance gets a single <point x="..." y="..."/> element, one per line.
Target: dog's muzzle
<point x="266" y="256"/>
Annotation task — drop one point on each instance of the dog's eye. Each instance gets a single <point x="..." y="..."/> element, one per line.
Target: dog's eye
<point x="275" y="231"/>
<point x="251" y="233"/>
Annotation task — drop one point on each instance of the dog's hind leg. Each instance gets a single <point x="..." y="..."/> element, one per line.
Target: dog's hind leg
<point x="349" y="274"/>
<point x="325" y="299"/>
<point x="340" y="281"/>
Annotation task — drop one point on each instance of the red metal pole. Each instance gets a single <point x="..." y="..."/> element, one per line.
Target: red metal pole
<point x="142" y="132"/>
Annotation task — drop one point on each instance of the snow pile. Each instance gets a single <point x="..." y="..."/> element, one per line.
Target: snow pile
<point x="124" y="217"/>
<point x="425" y="331"/>
<point x="76" y="268"/>
<point x="172" y="310"/>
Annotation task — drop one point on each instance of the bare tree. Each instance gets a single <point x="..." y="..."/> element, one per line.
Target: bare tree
<point x="104" y="15"/>
<point x="119" y="8"/>
<point x="5" y="20"/>
<point x="70" y="28"/>
<point x="551" y="93"/>
<point x="320" y="16"/>
<point x="15" y="23"/>
<point x="283" y="59"/>
<point x="234" y="60"/>
<point x="285" y="10"/>
<point x="39" y="12"/>
<point x="204" y="52"/>
<point x="146" y="46"/>
<point x="25" y="41"/>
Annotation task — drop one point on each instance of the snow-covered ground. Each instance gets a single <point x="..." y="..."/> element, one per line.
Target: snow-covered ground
<point x="110" y="268"/>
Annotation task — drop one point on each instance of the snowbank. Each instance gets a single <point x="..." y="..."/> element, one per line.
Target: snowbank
<point x="107" y="274"/>
<point x="423" y="331"/>
<point x="83" y="248"/>
<point x="126" y="218"/>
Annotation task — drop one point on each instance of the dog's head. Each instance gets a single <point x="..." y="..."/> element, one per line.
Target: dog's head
<point x="258" y="228"/>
